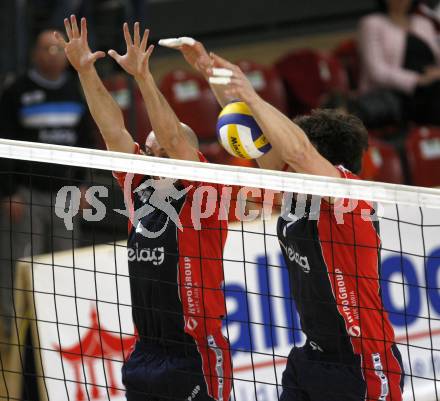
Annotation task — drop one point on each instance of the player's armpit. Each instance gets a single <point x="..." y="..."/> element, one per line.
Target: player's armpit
<point x="182" y="150"/>
<point x="310" y="161"/>
<point x="119" y="140"/>
<point x="342" y="173"/>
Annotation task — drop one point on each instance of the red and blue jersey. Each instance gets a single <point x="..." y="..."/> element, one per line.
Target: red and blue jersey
<point x="333" y="259"/>
<point x="176" y="275"/>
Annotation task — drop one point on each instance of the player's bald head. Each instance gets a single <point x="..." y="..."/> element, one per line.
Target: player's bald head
<point x="154" y="146"/>
<point x="191" y="135"/>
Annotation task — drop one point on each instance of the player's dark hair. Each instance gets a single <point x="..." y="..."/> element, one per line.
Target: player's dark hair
<point x="341" y="138"/>
<point x="383" y="6"/>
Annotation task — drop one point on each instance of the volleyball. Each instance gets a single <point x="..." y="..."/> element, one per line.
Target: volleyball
<point x="239" y="133"/>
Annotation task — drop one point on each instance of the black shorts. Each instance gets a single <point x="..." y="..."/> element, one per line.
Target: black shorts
<point x="151" y="374"/>
<point x="311" y="376"/>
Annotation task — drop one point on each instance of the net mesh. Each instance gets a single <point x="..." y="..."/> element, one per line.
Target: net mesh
<point x="298" y="294"/>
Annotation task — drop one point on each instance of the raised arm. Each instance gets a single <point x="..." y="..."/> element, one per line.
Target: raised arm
<point x="197" y="57"/>
<point x="105" y="111"/>
<point x="288" y="140"/>
<point x="167" y="127"/>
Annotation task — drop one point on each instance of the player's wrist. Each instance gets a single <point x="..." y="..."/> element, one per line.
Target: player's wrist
<point x="143" y="78"/>
<point x="86" y="70"/>
<point x="251" y="98"/>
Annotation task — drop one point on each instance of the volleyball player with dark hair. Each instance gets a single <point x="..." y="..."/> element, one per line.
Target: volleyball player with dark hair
<point x="350" y="352"/>
<point x="175" y="274"/>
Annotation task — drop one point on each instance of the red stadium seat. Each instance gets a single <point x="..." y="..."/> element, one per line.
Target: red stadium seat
<point x="266" y="82"/>
<point x="382" y="163"/>
<point x="118" y="86"/>
<point x="347" y="53"/>
<point x="308" y="76"/>
<point x="423" y="153"/>
<point x="386" y="132"/>
<point x="192" y="100"/>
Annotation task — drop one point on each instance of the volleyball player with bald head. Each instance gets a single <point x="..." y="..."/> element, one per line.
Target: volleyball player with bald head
<point x="175" y="275"/>
<point x="350" y="352"/>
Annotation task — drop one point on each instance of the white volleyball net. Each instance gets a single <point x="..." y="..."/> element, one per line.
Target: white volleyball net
<point x="70" y="278"/>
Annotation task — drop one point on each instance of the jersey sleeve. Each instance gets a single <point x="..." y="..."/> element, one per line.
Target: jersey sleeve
<point x="133" y="179"/>
<point x="351" y="245"/>
<point x="359" y="207"/>
<point x="193" y="185"/>
<point x="344" y="173"/>
<point x="206" y="198"/>
<point x="200" y="282"/>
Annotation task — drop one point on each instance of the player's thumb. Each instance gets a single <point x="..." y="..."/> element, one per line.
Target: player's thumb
<point x="220" y="62"/>
<point x="114" y="55"/>
<point x="97" y="55"/>
<point x="204" y="67"/>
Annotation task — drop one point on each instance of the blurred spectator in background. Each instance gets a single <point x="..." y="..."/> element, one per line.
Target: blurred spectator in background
<point x="138" y="11"/>
<point x="431" y="9"/>
<point x="40" y="14"/>
<point x="61" y="8"/>
<point x="45" y="105"/>
<point x="400" y="58"/>
<point x="104" y="13"/>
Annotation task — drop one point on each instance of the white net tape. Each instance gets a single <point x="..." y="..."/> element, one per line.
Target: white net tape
<point x="84" y="293"/>
<point x="232" y="175"/>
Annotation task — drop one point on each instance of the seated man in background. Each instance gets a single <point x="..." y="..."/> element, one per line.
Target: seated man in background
<point x="181" y="352"/>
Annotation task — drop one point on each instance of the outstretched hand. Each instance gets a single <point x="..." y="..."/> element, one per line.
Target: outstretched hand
<point x="197" y="56"/>
<point x="237" y="85"/>
<point x="193" y="51"/>
<point x="136" y="60"/>
<point x="77" y="48"/>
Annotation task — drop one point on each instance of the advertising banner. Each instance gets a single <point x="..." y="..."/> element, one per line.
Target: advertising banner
<point x="85" y="328"/>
